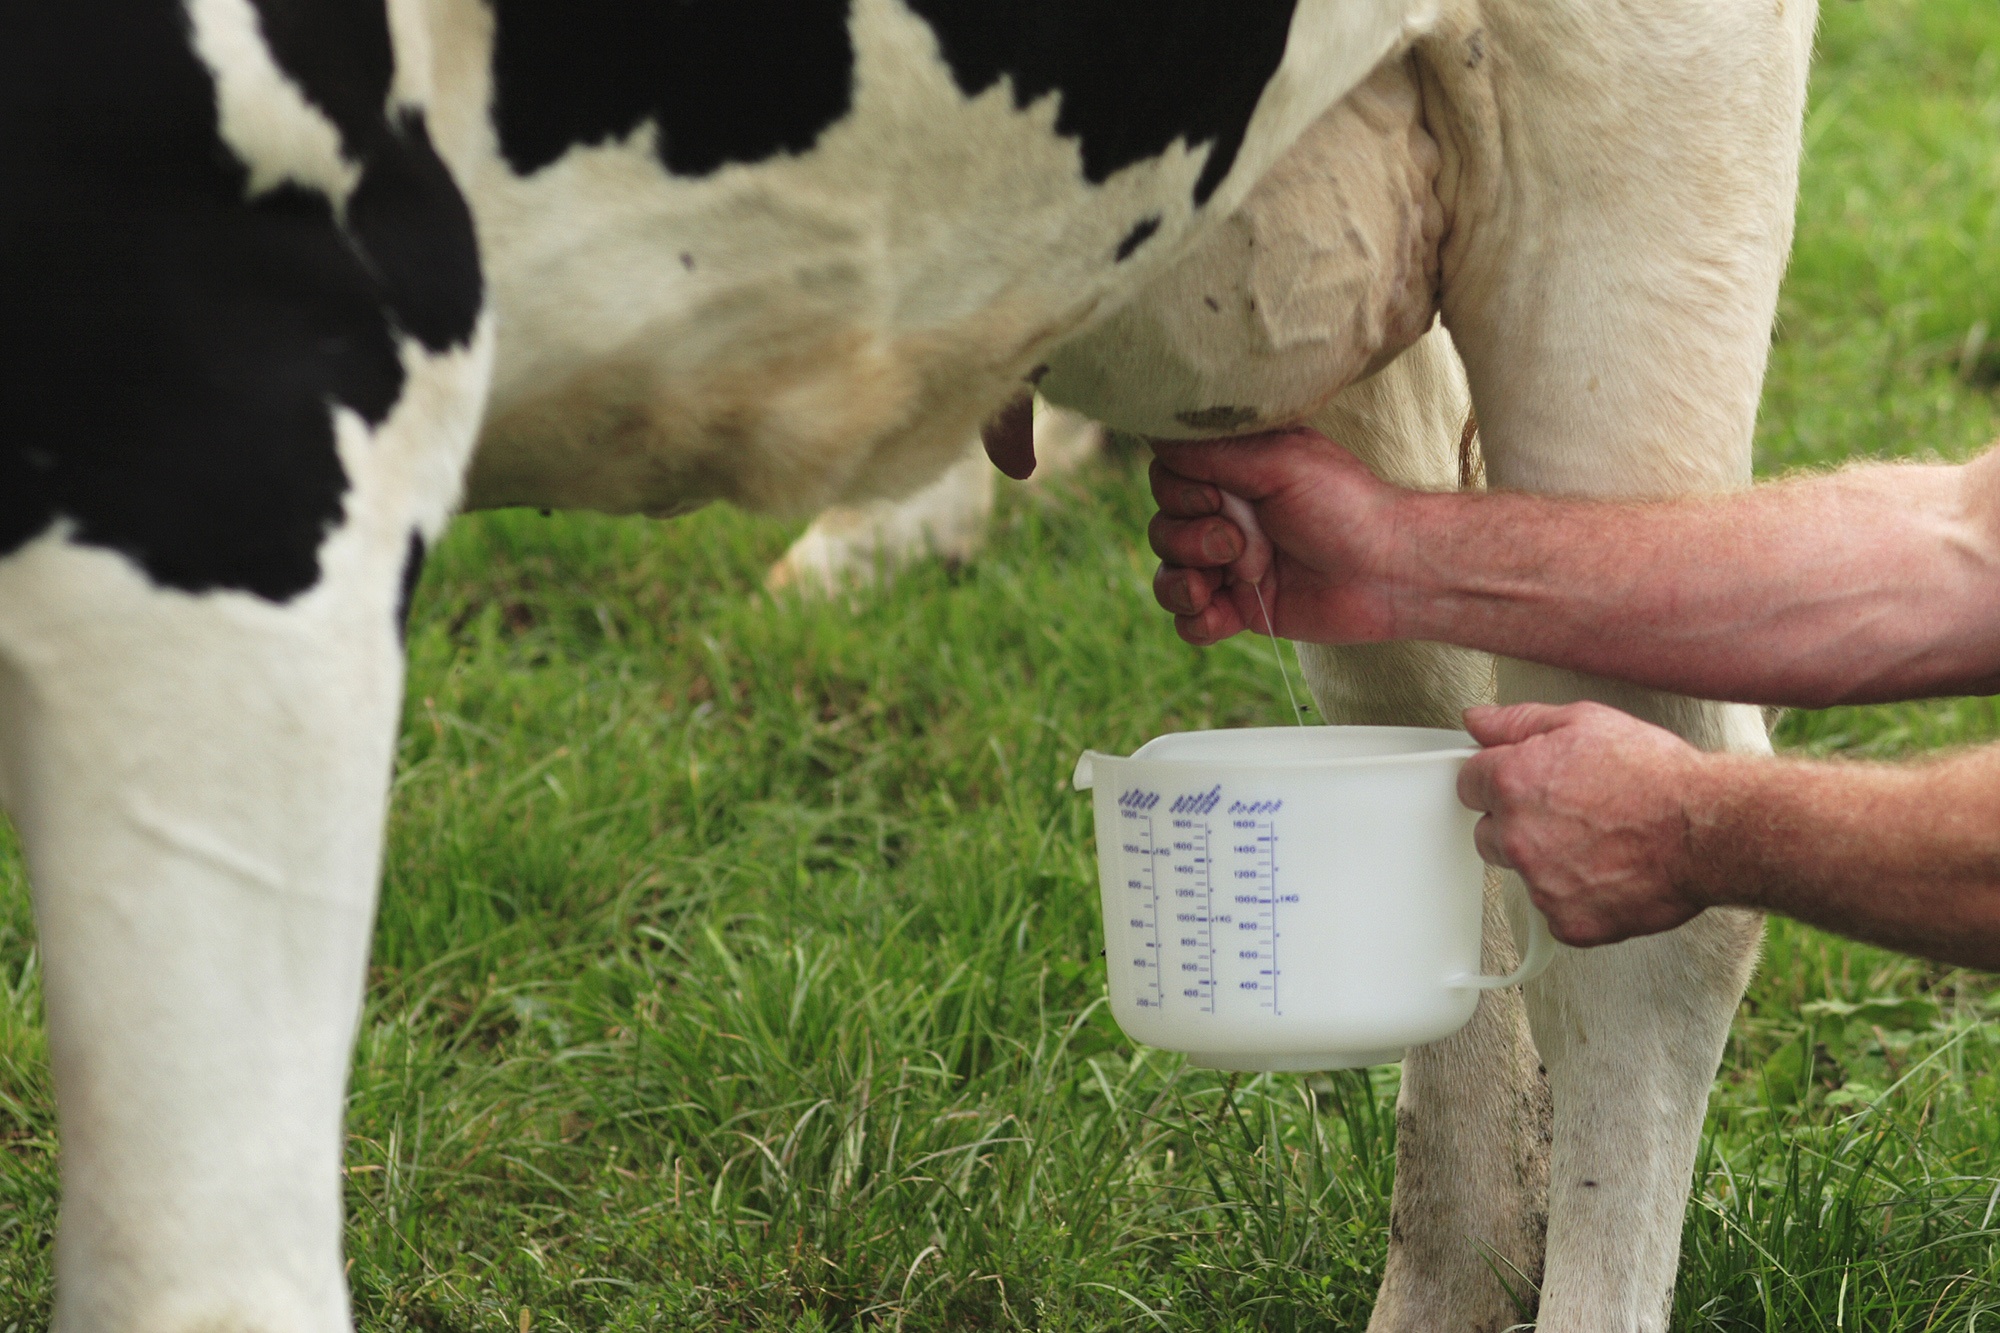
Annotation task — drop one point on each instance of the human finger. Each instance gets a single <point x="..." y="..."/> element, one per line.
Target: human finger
<point x="1179" y="496"/>
<point x="1214" y="623"/>
<point x="1184" y="591"/>
<point x="1199" y="543"/>
<point x="1486" y="837"/>
<point x="1477" y="789"/>
<point x="1511" y="724"/>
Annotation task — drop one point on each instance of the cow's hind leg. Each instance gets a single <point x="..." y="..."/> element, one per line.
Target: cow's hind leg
<point x="1465" y="1237"/>
<point x="849" y="546"/>
<point x="1621" y="181"/>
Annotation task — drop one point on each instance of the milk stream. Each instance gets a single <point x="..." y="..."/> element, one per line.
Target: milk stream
<point x="1251" y="567"/>
<point x="1278" y="651"/>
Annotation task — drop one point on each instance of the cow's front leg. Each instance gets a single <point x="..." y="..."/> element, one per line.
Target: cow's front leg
<point x="199" y="778"/>
<point x="1620" y="179"/>
<point x="199" y="784"/>
<point x="259" y="355"/>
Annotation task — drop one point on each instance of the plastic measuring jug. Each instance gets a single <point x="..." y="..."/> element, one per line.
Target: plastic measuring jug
<point x="1293" y="898"/>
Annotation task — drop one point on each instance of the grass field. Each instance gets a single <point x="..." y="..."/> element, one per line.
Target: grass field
<point x="737" y="964"/>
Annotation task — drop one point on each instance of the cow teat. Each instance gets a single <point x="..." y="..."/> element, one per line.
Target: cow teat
<point x="1009" y="436"/>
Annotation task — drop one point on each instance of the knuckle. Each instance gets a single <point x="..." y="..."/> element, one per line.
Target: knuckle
<point x="1180" y="591"/>
<point x="1576" y="934"/>
<point x="1219" y="539"/>
<point x="1510" y="785"/>
<point x="1590" y="712"/>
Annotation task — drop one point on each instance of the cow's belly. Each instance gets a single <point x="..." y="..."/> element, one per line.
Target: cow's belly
<point x="830" y="325"/>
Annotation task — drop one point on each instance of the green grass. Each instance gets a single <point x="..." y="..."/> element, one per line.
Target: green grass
<point x="738" y="965"/>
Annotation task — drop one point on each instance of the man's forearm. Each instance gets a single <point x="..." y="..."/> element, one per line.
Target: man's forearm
<point x="1904" y="856"/>
<point x="1870" y="584"/>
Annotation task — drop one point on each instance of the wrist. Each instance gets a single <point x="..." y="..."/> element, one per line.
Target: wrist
<point x="1405" y="569"/>
<point x="1714" y="790"/>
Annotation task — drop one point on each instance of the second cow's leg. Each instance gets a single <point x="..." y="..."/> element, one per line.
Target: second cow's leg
<point x="849" y="546"/>
<point x="1465" y="1237"/>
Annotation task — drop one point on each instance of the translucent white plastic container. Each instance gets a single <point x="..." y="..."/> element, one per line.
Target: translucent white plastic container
<point x="1292" y="897"/>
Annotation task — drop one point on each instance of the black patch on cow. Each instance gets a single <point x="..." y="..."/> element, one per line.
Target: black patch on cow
<point x="1133" y="78"/>
<point x="339" y="54"/>
<point x="177" y="348"/>
<point x="413" y="570"/>
<point x="725" y="80"/>
<point x="1141" y="232"/>
<point x="406" y="216"/>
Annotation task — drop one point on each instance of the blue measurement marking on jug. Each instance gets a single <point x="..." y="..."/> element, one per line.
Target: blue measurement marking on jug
<point x="1253" y="829"/>
<point x="1142" y="883"/>
<point x="1194" y="924"/>
<point x="1203" y="907"/>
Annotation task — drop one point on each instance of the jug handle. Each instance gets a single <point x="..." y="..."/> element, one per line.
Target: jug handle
<point x="1086" y="772"/>
<point x="1540" y="953"/>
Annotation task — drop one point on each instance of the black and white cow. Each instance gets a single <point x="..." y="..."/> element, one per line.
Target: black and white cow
<point x="274" y="267"/>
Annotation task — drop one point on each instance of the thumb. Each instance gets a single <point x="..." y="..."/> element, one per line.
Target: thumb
<point x="1493" y="725"/>
<point x="1255" y="562"/>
